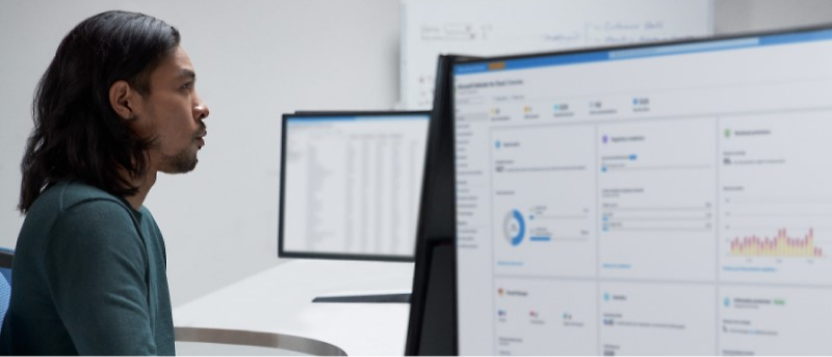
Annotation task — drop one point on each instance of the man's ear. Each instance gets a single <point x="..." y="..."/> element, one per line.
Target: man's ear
<point x="123" y="99"/>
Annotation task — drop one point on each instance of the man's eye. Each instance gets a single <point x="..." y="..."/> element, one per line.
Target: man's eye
<point x="188" y="85"/>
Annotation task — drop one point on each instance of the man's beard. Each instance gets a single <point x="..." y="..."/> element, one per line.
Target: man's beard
<point x="184" y="161"/>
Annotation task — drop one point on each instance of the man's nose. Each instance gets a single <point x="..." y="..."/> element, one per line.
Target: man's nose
<point x="201" y="110"/>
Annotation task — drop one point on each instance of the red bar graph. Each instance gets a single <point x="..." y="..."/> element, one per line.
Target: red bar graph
<point x="780" y="245"/>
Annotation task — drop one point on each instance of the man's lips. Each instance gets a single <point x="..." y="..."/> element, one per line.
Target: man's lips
<point x="200" y="138"/>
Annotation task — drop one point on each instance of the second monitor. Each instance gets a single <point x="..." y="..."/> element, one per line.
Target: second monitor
<point x="351" y="183"/>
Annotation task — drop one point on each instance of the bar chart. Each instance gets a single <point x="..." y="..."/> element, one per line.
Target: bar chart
<point x="779" y="245"/>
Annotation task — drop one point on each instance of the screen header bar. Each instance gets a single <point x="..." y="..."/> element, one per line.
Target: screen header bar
<point x="642" y="52"/>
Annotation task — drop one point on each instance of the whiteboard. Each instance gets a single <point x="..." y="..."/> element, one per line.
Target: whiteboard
<point x="501" y="27"/>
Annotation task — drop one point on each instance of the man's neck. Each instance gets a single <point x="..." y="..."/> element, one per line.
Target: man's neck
<point x="144" y="185"/>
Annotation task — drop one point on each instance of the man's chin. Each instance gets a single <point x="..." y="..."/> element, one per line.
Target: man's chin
<point x="180" y="164"/>
<point x="179" y="170"/>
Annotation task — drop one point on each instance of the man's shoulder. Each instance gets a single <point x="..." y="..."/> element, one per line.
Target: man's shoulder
<point x="67" y="194"/>
<point x="70" y="193"/>
<point x="70" y="212"/>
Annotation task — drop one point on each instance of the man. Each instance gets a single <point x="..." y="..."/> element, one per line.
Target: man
<point x="116" y="105"/>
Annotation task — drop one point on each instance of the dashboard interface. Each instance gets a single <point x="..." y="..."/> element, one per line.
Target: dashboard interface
<point x="666" y="199"/>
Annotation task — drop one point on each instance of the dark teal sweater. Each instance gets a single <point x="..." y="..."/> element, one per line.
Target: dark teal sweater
<point x="89" y="279"/>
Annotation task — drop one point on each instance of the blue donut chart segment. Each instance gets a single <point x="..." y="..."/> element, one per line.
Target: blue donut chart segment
<point x="515" y="227"/>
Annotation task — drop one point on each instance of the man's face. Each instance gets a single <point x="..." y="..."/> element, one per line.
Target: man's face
<point x="173" y="113"/>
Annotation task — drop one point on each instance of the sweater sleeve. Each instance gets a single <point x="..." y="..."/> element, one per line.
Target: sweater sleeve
<point x="96" y="267"/>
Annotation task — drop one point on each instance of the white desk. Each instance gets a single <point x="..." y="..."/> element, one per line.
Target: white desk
<point x="279" y="302"/>
<point x="214" y="349"/>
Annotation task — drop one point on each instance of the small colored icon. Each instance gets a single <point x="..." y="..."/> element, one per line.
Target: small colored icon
<point x="493" y="66"/>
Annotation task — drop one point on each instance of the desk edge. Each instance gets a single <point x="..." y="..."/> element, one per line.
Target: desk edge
<point x="258" y="339"/>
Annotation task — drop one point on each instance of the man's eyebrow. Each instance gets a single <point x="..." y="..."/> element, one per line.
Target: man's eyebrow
<point x="187" y="73"/>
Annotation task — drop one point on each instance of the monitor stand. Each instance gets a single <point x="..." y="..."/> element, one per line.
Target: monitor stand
<point x="403" y="298"/>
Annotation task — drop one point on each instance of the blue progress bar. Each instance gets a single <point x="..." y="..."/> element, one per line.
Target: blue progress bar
<point x="540" y="239"/>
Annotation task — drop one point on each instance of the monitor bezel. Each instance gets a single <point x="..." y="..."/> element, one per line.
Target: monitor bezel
<point x="680" y="41"/>
<point x="431" y="234"/>
<point x="283" y="253"/>
<point x="683" y="41"/>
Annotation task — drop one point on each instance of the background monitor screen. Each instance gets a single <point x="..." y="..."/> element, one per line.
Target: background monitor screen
<point x="664" y="199"/>
<point x="351" y="184"/>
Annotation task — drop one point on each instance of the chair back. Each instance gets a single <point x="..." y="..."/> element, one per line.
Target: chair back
<point x="6" y="259"/>
<point x="5" y="298"/>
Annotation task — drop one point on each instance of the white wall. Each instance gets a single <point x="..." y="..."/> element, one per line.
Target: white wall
<point x="760" y="15"/>
<point x="256" y="59"/>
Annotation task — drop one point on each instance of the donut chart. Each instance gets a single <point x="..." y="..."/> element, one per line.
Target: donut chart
<point x="514" y="227"/>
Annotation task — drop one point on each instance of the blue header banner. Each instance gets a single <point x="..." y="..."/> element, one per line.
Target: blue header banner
<point x="642" y="52"/>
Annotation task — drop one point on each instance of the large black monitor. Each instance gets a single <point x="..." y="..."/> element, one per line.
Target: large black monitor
<point x="654" y="199"/>
<point x="350" y="184"/>
<point x="432" y="325"/>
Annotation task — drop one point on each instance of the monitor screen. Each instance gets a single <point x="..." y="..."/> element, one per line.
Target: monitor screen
<point x="656" y="199"/>
<point x="350" y="184"/>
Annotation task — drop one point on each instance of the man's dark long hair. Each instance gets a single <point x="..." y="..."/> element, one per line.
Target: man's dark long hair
<point x="77" y="133"/>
